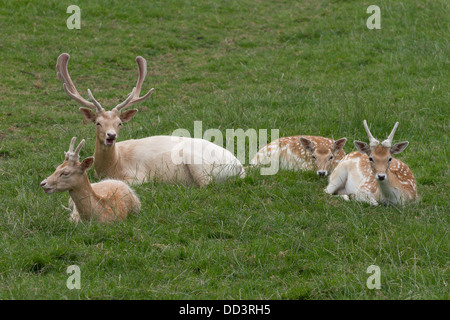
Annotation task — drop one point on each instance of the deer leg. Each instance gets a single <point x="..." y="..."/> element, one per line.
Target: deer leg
<point x="364" y="196"/>
<point x="336" y="184"/>
<point x="198" y="174"/>
<point x="74" y="215"/>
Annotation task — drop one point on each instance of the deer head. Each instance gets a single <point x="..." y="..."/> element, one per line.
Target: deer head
<point x="380" y="155"/>
<point x="323" y="156"/>
<point x="108" y="123"/>
<point x="70" y="173"/>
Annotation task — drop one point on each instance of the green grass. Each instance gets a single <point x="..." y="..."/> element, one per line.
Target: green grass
<point x="309" y="67"/>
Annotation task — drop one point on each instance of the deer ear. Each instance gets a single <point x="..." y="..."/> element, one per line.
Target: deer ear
<point x="338" y="145"/>
<point x="307" y="144"/>
<point x="88" y="114"/>
<point x="128" y="115"/>
<point x="87" y="163"/>
<point x="362" y="147"/>
<point x="399" y="147"/>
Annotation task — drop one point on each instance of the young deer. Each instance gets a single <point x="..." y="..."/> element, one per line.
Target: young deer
<point x="167" y="158"/>
<point x="372" y="175"/>
<point x="303" y="153"/>
<point x="105" y="201"/>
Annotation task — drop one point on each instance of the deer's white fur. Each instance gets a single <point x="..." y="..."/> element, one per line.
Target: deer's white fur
<point x="168" y="159"/>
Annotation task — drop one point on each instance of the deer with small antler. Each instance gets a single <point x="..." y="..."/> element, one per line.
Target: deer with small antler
<point x="372" y="175"/>
<point x="303" y="153"/>
<point x="166" y="158"/>
<point x="105" y="201"/>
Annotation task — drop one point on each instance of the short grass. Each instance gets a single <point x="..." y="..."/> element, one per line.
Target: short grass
<point x="303" y="67"/>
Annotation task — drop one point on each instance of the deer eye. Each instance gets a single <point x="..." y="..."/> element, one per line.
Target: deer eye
<point x="314" y="157"/>
<point x="98" y="124"/>
<point x="370" y="159"/>
<point x="331" y="158"/>
<point x="390" y="158"/>
<point x="64" y="174"/>
<point x="120" y="124"/>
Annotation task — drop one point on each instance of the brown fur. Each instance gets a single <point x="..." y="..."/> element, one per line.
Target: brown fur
<point x="105" y="201"/>
<point x="293" y="155"/>
<point x="373" y="175"/>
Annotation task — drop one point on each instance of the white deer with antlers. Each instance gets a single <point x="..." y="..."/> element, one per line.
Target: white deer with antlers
<point x="165" y="158"/>
<point x="372" y="175"/>
<point x="105" y="201"/>
<point x="303" y="153"/>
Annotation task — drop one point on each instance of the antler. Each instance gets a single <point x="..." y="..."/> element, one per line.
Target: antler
<point x="388" y="142"/>
<point x="372" y="141"/>
<point x="133" y="97"/>
<point x="74" y="155"/>
<point x="69" y="88"/>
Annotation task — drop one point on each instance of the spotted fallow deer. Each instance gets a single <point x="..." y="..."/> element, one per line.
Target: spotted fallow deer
<point x="372" y="175"/>
<point x="164" y="158"/>
<point x="303" y="153"/>
<point x="105" y="201"/>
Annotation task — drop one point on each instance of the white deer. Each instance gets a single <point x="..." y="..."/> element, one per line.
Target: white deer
<point x="303" y="153"/>
<point x="164" y="158"/>
<point x="105" y="201"/>
<point x="372" y="175"/>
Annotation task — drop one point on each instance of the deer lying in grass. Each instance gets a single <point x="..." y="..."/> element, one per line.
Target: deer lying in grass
<point x="372" y="175"/>
<point x="166" y="158"/>
<point x="105" y="201"/>
<point x="303" y="153"/>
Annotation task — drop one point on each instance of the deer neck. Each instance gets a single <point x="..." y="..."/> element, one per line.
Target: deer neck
<point x="85" y="198"/>
<point x="106" y="159"/>
<point x="389" y="192"/>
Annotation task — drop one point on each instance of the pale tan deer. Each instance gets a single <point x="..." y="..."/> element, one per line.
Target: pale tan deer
<point x="372" y="175"/>
<point x="303" y="153"/>
<point x="105" y="201"/>
<point x="164" y="158"/>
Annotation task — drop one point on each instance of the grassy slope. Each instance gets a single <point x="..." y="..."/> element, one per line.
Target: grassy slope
<point x="310" y="67"/>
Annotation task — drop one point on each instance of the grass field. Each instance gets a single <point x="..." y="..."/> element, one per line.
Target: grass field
<point x="303" y="67"/>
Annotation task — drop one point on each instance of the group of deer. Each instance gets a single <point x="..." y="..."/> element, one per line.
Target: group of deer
<point x="367" y="175"/>
<point x="370" y="175"/>
<point x="171" y="159"/>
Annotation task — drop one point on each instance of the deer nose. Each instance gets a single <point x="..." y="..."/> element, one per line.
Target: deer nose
<point x="111" y="135"/>
<point x="43" y="183"/>
<point x="322" y="173"/>
<point x="381" y="176"/>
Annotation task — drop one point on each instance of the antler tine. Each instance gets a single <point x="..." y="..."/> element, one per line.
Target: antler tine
<point x="388" y="142"/>
<point x="127" y="101"/>
<point x="133" y="97"/>
<point x="74" y="155"/>
<point x="68" y="153"/>
<point x="142" y="66"/>
<point x="372" y="140"/>
<point x="72" y="144"/>
<point x="77" y="150"/>
<point x="95" y="102"/>
<point x="69" y="87"/>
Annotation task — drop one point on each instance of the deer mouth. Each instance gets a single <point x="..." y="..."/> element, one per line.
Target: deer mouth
<point x="110" y="141"/>
<point x="48" y="190"/>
